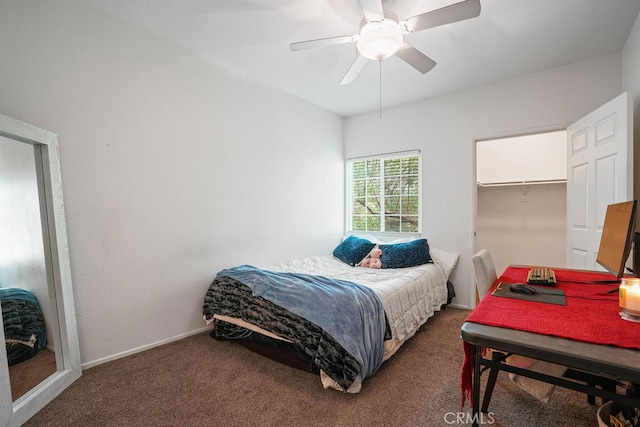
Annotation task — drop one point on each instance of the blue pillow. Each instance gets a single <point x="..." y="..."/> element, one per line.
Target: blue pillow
<point x="401" y="255"/>
<point x="353" y="249"/>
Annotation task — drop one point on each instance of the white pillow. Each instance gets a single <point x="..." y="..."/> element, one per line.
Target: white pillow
<point x="445" y="260"/>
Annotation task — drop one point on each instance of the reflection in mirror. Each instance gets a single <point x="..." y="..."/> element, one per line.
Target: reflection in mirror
<point x="42" y="355"/>
<point x="24" y="294"/>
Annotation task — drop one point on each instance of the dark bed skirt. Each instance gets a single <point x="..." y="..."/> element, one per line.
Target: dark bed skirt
<point x="451" y="292"/>
<point x="281" y="351"/>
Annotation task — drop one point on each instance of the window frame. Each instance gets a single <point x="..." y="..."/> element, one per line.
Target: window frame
<point x="349" y="193"/>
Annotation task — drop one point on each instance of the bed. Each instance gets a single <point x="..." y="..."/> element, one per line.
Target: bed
<point x="24" y="327"/>
<point x="340" y="317"/>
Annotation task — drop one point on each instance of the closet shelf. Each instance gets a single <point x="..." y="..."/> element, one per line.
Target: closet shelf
<point x="514" y="183"/>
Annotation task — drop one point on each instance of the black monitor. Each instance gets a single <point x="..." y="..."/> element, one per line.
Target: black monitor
<point x="618" y="232"/>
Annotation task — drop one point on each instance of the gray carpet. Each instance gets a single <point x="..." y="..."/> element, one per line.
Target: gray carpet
<point x="200" y="381"/>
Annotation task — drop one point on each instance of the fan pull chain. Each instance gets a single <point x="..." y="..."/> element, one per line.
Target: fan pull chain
<point x="380" y="89"/>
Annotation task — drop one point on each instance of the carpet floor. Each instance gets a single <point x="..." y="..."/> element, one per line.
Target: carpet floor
<point x="201" y="381"/>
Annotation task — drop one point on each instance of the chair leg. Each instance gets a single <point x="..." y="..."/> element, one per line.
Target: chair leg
<point x="592" y="380"/>
<point x="591" y="399"/>
<point x="605" y="384"/>
<point x="491" y="382"/>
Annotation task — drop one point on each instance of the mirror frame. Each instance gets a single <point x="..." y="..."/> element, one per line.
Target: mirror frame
<point x="54" y="232"/>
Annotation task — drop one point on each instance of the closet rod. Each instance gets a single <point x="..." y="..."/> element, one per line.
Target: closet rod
<point x="513" y="183"/>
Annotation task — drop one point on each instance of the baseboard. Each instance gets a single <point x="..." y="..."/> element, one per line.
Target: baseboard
<point x="453" y="305"/>
<point x="116" y="356"/>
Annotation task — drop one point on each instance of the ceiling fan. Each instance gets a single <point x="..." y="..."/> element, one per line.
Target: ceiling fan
<point x="382" y="35"/>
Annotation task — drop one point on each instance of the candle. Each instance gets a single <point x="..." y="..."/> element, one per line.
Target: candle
<point x="630" y="296"/>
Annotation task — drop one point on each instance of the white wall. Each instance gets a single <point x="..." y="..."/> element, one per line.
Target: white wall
<point x="21" y="253"/>
<point x="532" y="233"/>
<point x="445" y="129"/>
<point x="173" y="168"/>
<point x="631" y="83"/>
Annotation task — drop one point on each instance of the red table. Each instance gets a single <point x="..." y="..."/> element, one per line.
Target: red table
<point x="587" y="333"/>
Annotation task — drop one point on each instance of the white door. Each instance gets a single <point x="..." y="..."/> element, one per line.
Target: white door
<point x="599" y="173"/>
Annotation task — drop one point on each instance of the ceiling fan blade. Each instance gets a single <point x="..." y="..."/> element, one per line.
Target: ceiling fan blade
<point x="372" y="10"/>
<point x="415" y="58"/>
<point x="466" y="9"/>
<point x="354" y="70"/>
<point x="310" y="44"/>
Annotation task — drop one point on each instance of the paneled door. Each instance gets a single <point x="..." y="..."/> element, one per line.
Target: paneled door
<point x="599" y="173"/>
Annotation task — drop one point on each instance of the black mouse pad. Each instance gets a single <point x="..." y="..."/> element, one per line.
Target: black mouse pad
<point x="545" y="294"/>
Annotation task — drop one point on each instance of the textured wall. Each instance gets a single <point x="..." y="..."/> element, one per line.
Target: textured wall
<point x="173" y="168"/>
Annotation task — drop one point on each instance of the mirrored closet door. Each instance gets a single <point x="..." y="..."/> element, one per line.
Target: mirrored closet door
<point x="39" y="327"/>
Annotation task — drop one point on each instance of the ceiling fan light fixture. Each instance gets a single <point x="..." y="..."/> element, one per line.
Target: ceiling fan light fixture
<point x="379" y="40"/>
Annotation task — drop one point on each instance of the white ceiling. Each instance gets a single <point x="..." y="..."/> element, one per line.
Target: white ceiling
<point x="509" y="38"/>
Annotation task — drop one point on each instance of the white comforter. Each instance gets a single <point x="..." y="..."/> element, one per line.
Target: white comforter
<point x="409" y="295"/>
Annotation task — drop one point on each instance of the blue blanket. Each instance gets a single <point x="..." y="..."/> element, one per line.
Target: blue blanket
<point x="352" y="314"/>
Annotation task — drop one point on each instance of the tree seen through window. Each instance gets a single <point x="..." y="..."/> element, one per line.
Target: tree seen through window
<point x="385" y="194"/>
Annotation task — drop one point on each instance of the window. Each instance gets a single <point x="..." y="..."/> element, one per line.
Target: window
<point x="384" y="193"/>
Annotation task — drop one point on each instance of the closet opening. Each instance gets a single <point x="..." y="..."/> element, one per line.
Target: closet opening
<point x="521" y="199"/>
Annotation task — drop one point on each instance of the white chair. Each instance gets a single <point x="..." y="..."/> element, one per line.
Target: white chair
<point x="485" y="272"/>
<point x="486" y="276"/>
